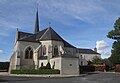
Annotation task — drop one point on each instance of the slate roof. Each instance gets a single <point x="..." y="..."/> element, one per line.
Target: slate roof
<point x="46" y="34"/>
<point x="31" y="38"/>
<point x="22" y="35"/>
<point x="66" y="44"/>
<point x="86" y="51"/>
<point x="50" y="34"/>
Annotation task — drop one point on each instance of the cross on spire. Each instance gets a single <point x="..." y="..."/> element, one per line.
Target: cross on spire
<point x="49" y="24"/>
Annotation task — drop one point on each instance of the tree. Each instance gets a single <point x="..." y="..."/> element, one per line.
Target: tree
<point x="115" y="56"/>
<point x="97" y="60"/>
<point x="115" y="35"/>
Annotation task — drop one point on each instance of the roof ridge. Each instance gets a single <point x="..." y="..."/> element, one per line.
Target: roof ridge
<point x="25" y="32"/>
<point x="68" y="43"/>
<point x="50" y="31"/>
<point x="44" y="33"/>
<point x="85" y="48"/>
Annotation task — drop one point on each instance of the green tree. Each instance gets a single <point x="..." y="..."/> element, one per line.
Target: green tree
<point x="97" y="60"/>
<point x="115" y="56"/>
<point x="115" y="35"/>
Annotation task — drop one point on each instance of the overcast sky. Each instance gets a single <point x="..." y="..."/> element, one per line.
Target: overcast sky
<point x="83" y="23"/>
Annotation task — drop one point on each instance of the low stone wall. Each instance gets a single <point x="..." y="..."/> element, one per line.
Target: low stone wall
<point x="92" y="68"/>
<point x="101" y="67"/>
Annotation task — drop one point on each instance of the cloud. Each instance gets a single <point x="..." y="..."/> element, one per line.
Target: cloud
<point x="105" y="53"/>
<point x="101" y="45"/>
<point x="77" y="9"/>
<point x="103" y="48"/>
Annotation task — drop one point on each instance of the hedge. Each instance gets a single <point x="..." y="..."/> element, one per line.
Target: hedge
<point x="40" y="71"/>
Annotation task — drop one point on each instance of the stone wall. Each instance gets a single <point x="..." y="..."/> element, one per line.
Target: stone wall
<point x="69" y="66"/>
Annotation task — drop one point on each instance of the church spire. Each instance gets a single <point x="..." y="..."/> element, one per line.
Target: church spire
<point x="36" y="23"/>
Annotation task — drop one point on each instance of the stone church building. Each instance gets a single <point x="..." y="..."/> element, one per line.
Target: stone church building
<point x="33" y="50"/>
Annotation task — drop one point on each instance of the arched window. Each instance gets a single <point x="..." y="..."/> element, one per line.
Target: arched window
<point x="55" y="51"/>
<point x="29" y="53"/>
<point x="44" y="50"/>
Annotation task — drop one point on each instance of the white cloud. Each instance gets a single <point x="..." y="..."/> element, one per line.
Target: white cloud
<point x="103" y="48"/>
<point x="101" y="45"/>
<point x="77" y="9"/>
<point x="106" y="53"/>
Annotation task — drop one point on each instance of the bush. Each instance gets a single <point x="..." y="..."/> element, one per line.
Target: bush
<point x="117" y="68"/>
<point x="43" y="67"/>
<point x="40" y="71"/>
<point x="48" y="66"/>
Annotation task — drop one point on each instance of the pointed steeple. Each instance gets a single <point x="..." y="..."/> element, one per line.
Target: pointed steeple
<point x="36" y="23"/>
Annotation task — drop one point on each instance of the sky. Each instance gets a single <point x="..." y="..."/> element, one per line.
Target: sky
<point x="83" y="23"/>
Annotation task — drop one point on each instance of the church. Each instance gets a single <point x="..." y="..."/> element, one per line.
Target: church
<point x="33" y="50"/>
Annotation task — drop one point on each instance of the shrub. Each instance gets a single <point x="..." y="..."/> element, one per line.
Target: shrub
<point x="40" y="71"/>
<point x="48" y="66"/>
<point x="117" y="68"/>
<point x="43" y="67"/>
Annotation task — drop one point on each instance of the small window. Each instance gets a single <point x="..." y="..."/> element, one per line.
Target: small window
<point x="70" y="64"/>
<point x="44" y="50"/>
<point x="18" y="56"/>
<point x="55" y="51"/>
<point x="42" y="64"/>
